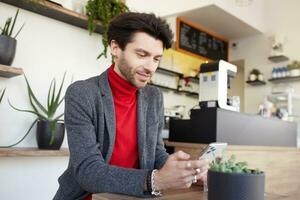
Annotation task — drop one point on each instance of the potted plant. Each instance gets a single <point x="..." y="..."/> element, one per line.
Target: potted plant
<point x="8" y="40"/>
<point x="50" y="127"/>
<point x="294" y="69"/>
<point x="228" y="180"/>
<point x="103" y="11"/>
<point x="255" y="75"/>
<point x="2" y="92"/>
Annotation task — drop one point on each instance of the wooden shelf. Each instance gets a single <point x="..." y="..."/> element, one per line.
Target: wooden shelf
<point x="195" y="94"/>
<point x="279" y="58"/>
<point x="188" y="93"/>
<point x="32" y="152"/>
<point x="285" y="79"/>
<point x="169" y="71"/>
<point x="54" y="11"/>
<point x="8" y="71"/>
<point x="256" y="83"/>
<point x="192" y="78"/>
<point x="164" y="87"/>
<point x="180" y="76"/>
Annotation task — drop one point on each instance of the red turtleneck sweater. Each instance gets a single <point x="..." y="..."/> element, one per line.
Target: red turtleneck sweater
<point x="125" y="153"/>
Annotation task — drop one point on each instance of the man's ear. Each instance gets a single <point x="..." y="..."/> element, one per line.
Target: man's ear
<point x="114" y="47"/>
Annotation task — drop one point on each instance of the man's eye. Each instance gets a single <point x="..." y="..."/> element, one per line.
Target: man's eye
<point x="141" y="55"/>
<point x="157" y="59"/>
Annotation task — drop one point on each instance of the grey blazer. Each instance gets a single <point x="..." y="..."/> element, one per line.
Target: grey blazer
<point x="90" y="123"/>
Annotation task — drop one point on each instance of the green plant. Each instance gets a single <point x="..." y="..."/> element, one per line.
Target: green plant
<point x="9" y="26"/>
<point x="230" y="166"/>
<point x="46" y="113"/>
<point x="103" y="11"/>
<point x="255" y="71"/>
<point x="294" y="65"/>
<point x="2" y="92"/>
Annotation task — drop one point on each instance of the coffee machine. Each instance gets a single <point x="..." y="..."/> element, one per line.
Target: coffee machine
<point x="215" y="79"/>
<point x="217" y="121"/>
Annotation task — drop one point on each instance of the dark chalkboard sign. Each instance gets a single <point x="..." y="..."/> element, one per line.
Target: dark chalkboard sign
<point x="193" y="40"/>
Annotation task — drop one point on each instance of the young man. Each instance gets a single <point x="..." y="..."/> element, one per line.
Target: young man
<point x="114" y="121"/>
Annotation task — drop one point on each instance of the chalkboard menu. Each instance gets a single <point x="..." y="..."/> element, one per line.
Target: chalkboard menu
<point x="191" y="39"/>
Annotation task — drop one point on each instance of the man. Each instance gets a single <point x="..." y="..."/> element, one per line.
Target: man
<point x="114" y="121"/>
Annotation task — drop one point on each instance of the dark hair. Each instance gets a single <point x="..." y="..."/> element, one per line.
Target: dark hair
<point x="124" y="26"/>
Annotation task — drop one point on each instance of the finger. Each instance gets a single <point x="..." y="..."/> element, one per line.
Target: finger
<point x="188" y="181"/>
<point x="184" y="173"/>
<point x="204" y="160"/>
<point x="191" y="179"/>
<point x="180" y="155"/>
<point x="202" y="175"/>
<point x="192" y="164"/>
<point x="203" y="168"/>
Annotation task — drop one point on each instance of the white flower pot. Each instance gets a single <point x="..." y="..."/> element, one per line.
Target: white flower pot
<point x="295" y="72"/>
<point x="252" y="77"/>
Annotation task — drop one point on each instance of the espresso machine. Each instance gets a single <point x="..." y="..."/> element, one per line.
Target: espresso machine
<point x="217" y="120"/>
<point x="214" y="81"/>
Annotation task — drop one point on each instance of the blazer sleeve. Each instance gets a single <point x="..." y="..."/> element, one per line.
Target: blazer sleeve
<point x="161" y="155"/>
<point x="91" y="172"/>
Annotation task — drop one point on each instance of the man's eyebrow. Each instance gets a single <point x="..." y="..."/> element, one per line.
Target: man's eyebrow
<point x="142" y="51"/>
<point x="146" y="52"/>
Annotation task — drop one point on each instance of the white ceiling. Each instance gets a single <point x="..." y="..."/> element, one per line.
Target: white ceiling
<point x="214" y="19"/>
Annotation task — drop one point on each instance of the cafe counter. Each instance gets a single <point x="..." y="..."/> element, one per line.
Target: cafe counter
<point x="192" y="193"/>
<point x="281" y="165"/>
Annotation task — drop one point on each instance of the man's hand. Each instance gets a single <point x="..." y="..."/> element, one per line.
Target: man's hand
<point x="180" y="172"/>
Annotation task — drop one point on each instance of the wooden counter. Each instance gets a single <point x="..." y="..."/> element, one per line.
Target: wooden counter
<point x="193" y="193"/>
<point x="32" y="152"/>
<point x="281" y="164"/>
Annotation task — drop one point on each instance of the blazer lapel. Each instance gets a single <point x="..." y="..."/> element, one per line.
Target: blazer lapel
<point x="109" y="112"/>
<point x="141" y="112"/>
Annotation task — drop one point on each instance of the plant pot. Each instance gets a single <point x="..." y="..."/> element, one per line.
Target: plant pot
<point x="294" y="72"/>
<point x="44" y="133"/>
<point x="7" y="49"/>
<point x="235" y="186"/>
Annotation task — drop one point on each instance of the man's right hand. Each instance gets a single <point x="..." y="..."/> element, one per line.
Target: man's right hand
<point x="179" y="172"/>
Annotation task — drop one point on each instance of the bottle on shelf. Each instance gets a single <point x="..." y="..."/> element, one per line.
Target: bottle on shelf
<point x="274" y="72"/>
<point x="279" y="72"/>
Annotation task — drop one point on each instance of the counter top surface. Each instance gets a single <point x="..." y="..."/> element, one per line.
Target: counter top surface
<point x="183" y="194"/>
<point x="31" y="152"/>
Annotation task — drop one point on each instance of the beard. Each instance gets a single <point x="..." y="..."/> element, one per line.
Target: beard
<point x="130" y="72"/>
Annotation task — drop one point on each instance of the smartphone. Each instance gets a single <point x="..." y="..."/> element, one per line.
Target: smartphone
<point x="213" y="150"/>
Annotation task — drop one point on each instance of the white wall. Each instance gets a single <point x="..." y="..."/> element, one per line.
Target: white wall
<point x="252" y="14"/>
<point x="46" y="49"/>
<point x="280" y="18"/>
<point x="30" y="178"/>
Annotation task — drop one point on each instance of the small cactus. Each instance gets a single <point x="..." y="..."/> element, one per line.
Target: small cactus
<point x="230" y="166"/>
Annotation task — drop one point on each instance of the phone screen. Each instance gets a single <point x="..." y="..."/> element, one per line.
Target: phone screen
<point x="212" y="151"/>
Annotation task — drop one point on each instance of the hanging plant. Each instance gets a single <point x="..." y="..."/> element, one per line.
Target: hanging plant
<point x="103" y="11"/>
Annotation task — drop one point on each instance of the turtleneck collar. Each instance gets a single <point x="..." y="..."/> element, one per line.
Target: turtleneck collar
<point x="119" y="86"/>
